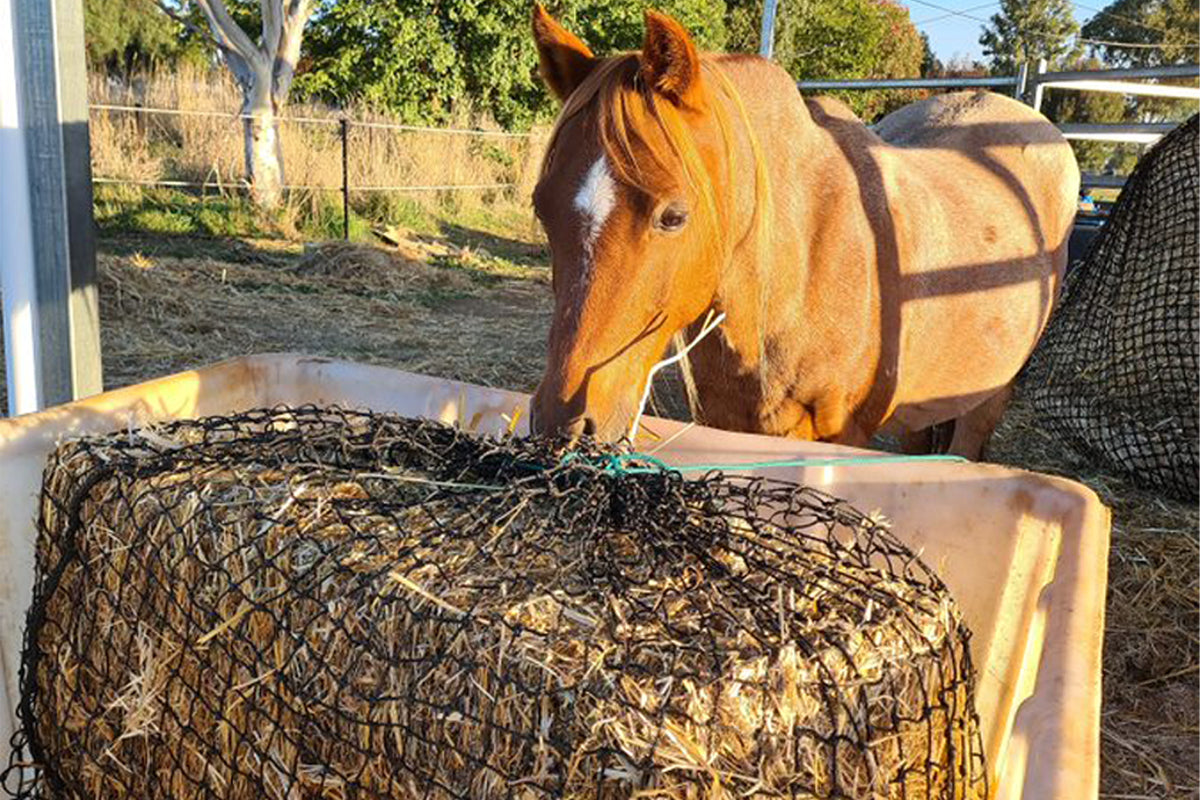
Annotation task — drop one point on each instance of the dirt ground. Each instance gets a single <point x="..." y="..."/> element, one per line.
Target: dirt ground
<point x="478" y="310"/>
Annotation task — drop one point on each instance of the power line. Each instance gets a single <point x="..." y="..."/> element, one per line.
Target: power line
<point x="1131" y="20"/>
<point x="1079" y="39"/>
<point x="1141" y="45"/>
<point x="941" y="17"/>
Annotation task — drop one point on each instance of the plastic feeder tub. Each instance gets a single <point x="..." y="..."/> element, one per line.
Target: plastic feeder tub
<point x="1024" y="554"/>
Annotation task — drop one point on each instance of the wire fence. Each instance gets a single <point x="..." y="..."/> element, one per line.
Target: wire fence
<point x="1029" y="85"/>
<point x="334" y="120"/>
<point x="197" y="149"/>
<point x="365" y="161"/>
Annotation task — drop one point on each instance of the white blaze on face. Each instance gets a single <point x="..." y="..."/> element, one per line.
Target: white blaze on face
<point x="594" y="202"/>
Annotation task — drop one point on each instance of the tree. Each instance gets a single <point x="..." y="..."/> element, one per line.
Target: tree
<point x="429" y="60"/>
<point x="122" y="36"/>
<point x="394" y="56"/>
<point x="1142" y="33"/>
<point x="1170" y="24"/>
<point x="1027" y="30"/>
<point x="931" y="65"/>
<point x="263" y="70"/>
<point x="819" y="39"/>
<point x="960" y="65"/>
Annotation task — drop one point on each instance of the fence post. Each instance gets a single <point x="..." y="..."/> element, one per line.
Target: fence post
<point x="1022" y="82"/>
<point x="345" y="127"/>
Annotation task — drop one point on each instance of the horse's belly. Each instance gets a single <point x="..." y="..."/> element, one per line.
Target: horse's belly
<point x="960" y="349"/>
<point x="920" y="415"/>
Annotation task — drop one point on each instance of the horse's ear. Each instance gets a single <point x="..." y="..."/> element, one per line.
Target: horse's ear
<point x="670" y="62"/>
<point x="565" y="61"/>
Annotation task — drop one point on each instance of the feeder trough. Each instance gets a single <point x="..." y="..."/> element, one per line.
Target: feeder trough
<point x="1024" y="555"/>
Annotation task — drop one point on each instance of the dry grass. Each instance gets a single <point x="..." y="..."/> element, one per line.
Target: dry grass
<point x="155" y="147"/>
<point x="463" y="320"/>
<point x="164" y="314"/>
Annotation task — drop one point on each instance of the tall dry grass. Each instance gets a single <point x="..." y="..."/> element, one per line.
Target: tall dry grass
<point x="145" y="147"/>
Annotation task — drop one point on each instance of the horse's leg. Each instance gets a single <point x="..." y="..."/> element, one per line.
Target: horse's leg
<point x="973" y="430"/>
<point x="917" y="443"/>
<point x="943" y="436"/>
<point x="934" y="439"/>
<point x="834" y="421"/>
<point x="830" y="419"/>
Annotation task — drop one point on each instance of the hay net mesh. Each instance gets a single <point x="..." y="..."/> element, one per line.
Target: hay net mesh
<point x="316" y="603"/>
<point x="1116" y="374"/>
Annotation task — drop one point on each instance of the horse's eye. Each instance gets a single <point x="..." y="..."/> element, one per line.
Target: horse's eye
<point x="672" y="218"/>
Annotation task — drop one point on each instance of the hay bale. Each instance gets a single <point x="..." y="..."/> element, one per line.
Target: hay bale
<point x="373" y="269"/>
<point x="347" y="260"/>
<point x="321" y="604"/>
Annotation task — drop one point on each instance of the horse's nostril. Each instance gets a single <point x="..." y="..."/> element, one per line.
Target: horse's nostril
<point x="589" y="426"/>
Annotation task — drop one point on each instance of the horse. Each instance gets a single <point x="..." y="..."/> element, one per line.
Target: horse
<point x="891" y="280"/>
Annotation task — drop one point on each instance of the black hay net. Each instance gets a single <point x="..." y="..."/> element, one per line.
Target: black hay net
<point x="1116" y="374"/>
<point x="315" y="603"/>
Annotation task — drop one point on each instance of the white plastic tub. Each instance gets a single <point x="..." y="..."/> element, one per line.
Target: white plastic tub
<point x="1024" y="554"/>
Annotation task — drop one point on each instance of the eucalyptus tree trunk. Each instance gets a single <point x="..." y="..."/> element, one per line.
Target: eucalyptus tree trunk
<point x="264" y="71"/>
<point x="263" y="151"/>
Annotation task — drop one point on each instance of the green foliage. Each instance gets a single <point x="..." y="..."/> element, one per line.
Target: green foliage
<point x="393" y="56"/>
<point x="126" y="35"/>
<point x="169" y="211"/>
<point x="930" y="64"/>
<point x="119" y="208"/>
<point x="433" y="62"/>
<point x="609" y="26"/>
<point x="819" y="39"/>
<point x="1174" y="25"/>
<point x="1170" y="23"/>
<point x="399" y="210"/>
<point x="1104" y="107"/>
<point x="428" y="60"/>
<point x="1026" y="30"/>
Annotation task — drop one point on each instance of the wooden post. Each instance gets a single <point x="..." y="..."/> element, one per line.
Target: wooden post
<point x="48" y="62"/>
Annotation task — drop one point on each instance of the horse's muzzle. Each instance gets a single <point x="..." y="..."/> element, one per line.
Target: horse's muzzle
<point x="571" y="429"/>
<point x="548" y="417"/>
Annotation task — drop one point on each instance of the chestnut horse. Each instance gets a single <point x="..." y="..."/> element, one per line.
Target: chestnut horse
<point x="893" y="279"/>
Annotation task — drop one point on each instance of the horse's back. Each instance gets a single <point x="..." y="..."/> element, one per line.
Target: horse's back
<point x="997" y="134"/>
<point x="967" y="119"/>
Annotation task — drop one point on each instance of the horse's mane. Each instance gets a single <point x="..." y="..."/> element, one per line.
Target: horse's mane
<point x="623" y="105"/>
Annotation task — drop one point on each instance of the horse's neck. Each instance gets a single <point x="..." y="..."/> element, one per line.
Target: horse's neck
<point x="778" y="296"/>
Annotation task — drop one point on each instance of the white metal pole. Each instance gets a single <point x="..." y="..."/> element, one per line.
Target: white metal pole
<point x="18" y="281"/>
<point x="766" y="42"/>
<point x="1039" y="89"/>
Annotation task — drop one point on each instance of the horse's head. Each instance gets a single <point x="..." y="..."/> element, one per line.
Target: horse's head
<point x="630" y="199"/>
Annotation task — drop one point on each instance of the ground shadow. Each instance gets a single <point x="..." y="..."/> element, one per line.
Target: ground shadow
<point x="533" y="254"/>
<point x="238" y="249"/>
